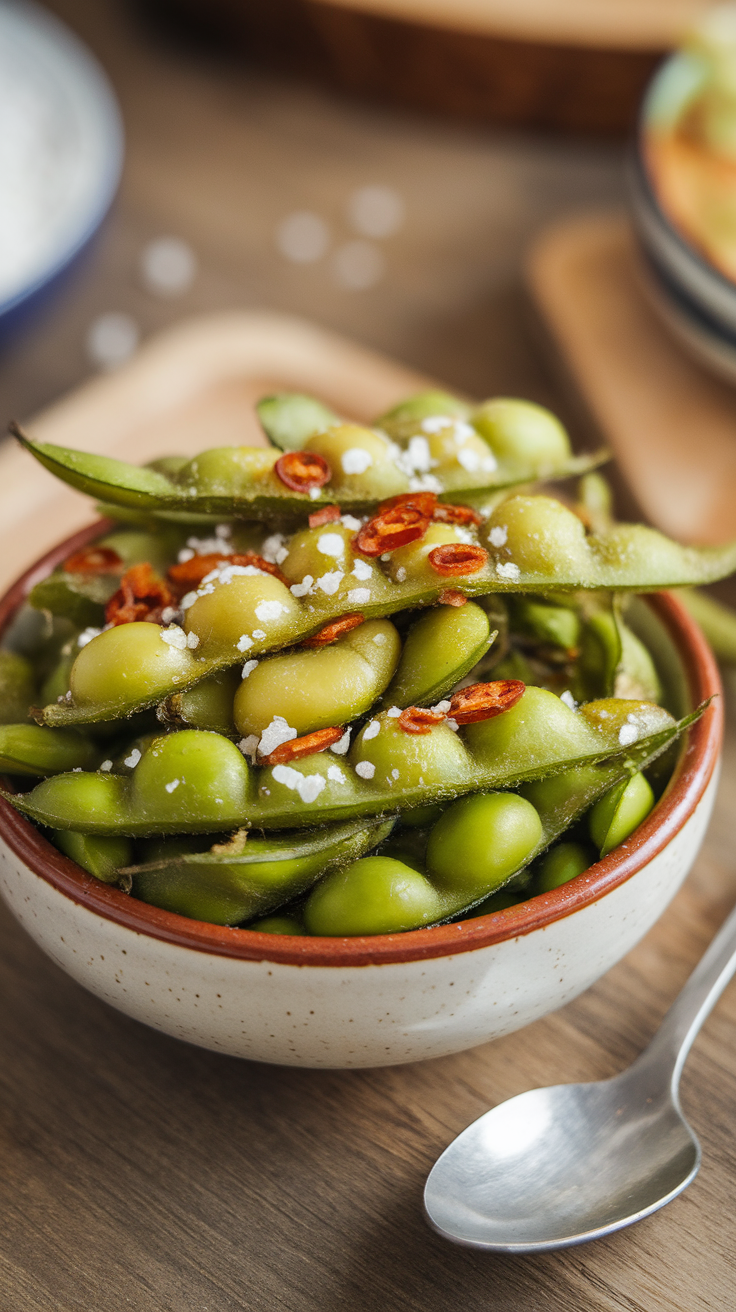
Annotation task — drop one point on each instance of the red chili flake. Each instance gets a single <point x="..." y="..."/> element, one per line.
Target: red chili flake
<point x="306" y="746"/>
<point x="327" y="515"/>
<point x="302" y="470"/>
<point x="331" y="632"/>
<point x="417" y="719"/>
<point x="451" y="597"/>
<point x="391" y="529"/>
<point x="425" y="502"/>
<point x="447" y="514"/>
<point x="481" y="701"/>
<point x="93" y="560"/>
<point x="189" y="573"/>
<point x="142" y="595"/>
<point x="457" y="558"/>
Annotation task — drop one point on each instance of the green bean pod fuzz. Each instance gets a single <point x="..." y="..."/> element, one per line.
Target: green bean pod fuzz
<point x="199" y="782"/>
<point x="530" y="544"/>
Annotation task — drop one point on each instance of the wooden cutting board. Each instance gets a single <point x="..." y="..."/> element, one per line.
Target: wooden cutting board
<point x="671" y="425"/>
<point x="191" y="387"/>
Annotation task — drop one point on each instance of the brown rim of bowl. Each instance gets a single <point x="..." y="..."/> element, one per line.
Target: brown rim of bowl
<point x="689" y="781"/>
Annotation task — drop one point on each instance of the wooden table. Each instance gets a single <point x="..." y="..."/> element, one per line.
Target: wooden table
<point x="138" y="1172"/>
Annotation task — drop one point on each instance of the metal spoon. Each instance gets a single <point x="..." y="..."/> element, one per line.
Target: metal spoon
<point x="560" y="1166"/>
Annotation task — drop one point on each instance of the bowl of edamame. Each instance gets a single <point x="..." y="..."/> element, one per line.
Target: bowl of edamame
<point x="361" y="748"/>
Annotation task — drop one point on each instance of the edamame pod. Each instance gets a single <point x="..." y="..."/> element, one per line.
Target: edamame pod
<point x="32" y="749"/>
<point x="81" y="587"/>
<point x="194" y="782"/>
<point x="208" y="705"/>
<point x="534" y="544"/>
<point x="359" y="467"/>
<point x="237" y="880"/>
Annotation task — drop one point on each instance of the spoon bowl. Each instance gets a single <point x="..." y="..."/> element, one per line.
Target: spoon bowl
<point x="558" y="1166"/>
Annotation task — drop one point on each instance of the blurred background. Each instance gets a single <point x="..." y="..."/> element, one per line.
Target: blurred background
<point x="382" y="176"/>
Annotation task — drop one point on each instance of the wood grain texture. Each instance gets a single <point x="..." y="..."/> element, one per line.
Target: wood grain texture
<point x="140" y="1173"/>
<point x="670" y="423"/>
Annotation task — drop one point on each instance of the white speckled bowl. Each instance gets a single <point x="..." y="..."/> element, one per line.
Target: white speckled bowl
<point x="395" y="997"/>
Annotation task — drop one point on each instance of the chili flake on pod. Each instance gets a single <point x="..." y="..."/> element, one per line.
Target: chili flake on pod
<point x="318" y="741"/>
<point x="331" y="632"/>
<point x="481" y="701"/>
<point x="142" y="595"/>
<point x="457" y="558"/>
<point x="390" y="529"/>
<point x="302" y="470"/>
<point x="417" y="719"/>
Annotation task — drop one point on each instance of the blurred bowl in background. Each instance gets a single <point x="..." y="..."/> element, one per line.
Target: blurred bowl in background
<point x="683" y="193"/>
<point x="61" y="153"/>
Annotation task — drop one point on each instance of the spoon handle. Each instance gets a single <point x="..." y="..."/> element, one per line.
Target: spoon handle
<point x="674" y="1038"/>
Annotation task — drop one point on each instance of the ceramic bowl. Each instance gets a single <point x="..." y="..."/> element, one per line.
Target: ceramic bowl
<point x="61" y="153"/>
<point x="390" y="998"/>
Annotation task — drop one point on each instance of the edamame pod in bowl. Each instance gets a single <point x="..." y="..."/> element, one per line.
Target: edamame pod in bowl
<point x="196" y="782"/>
<point x="330" y="573"/>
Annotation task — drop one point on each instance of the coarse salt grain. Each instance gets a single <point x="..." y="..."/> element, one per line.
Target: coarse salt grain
<point x="362" y="569"/>
<point x="359" y="596"/>
<point x="330" y="582"/>
<point x="498" y="535"/>
<point x="342" y="744"/>
<point x="187" y="600"/>
<point x="509" y="571"/>
<point x="87" y="635"/>
<point x="308" y="786"/>
<point x="259" y="635"/>
<point x="366" y="769"/>
<point x="248" y="668"/>
<point x="133" y="759"/>
<point x="277" y="732"/>
<point x="270" y="610"/>
<point x="356" y="460"/>
<point x="568" y="699"/>
<point x="249" y="746"/>
<point x="331" y="544"/>
<point x="627" y="734"/>
<point x="303" y="588"/>
<point x="245" y="642"/>
<point x="351" y="523"/>
<point x="175" y="637"/>
<point x="192" y="641"/>
<point x="394" y="712"/>
<point x="435" y="423"/>
<point x="172" y="785"/>
<point x="372" y="730"/>
<point x="336" y="775"/>
<point x="401" y="574"/>
<point x="106" y="765"/>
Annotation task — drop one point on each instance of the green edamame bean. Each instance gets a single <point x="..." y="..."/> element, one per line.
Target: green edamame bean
<point x="376" y="895"/>
<point x="250" y="613"/>
<point x="320" y="688"/>
<point x="227" y="471"/>
<point x="191" y="773"/>
<point x="289" y="419"/>
<point x="615" y="817"/>
<point x="278" y="925"/>
<point x="405" y="419"/>
<point x="208" y="705"/>
<point x="100" y="856"/>
<point x="562" y="863"/>
<point x="360" y="460"/>
<point x="389" y="759"/>
<point x="538" y="536"/>
<point x="481" y="840"/>
<point x="439" y="650"/>
<point x="521" y="431"/>
<point x="17" y="687"/>
<point x="127" y="664"/>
